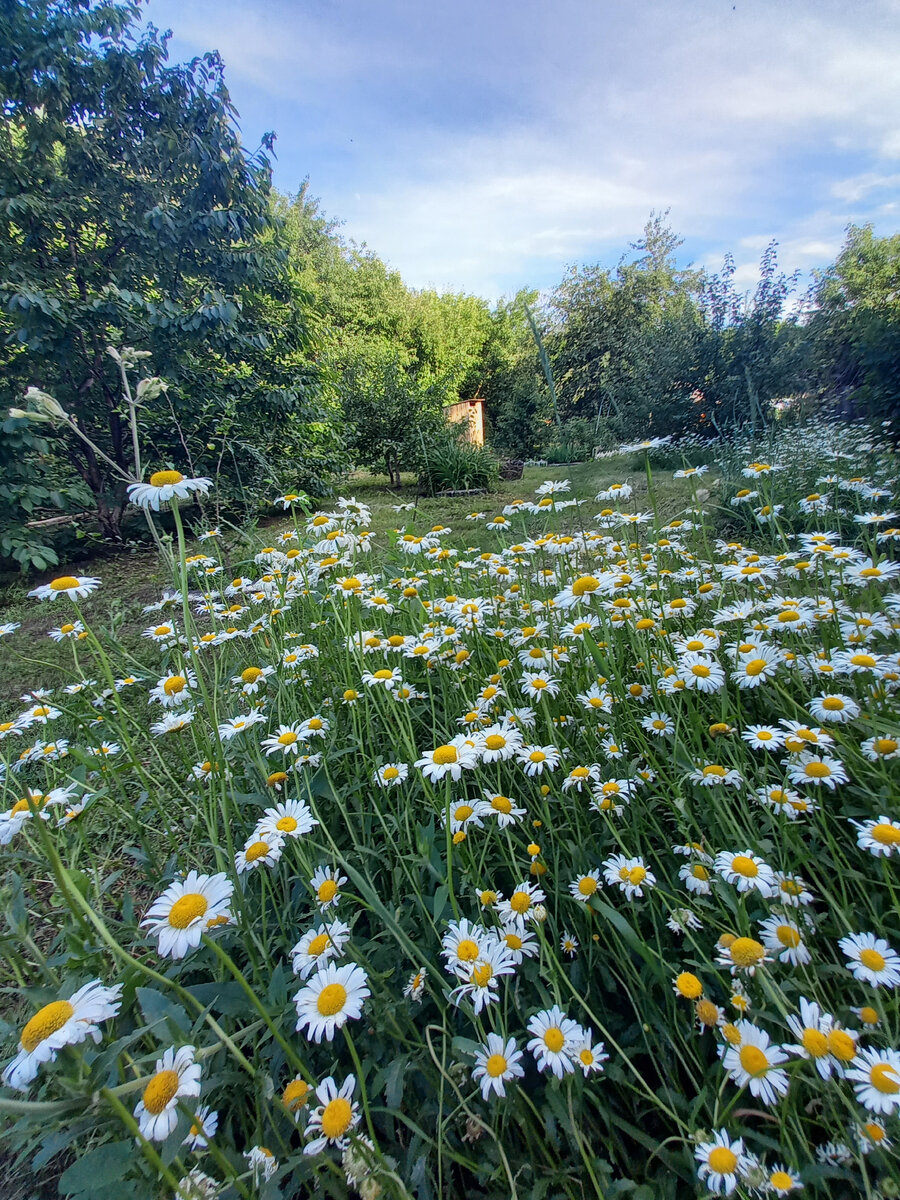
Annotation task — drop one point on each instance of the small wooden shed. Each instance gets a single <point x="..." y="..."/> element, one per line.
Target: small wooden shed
<point x="472" y="412"/>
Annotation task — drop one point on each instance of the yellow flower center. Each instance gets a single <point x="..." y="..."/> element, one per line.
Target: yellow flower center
<point x="814" y="1042"/>
<point x="537" y="756"/>
<point x="501" y="804"/>
<point x="863" y="660"/>
<point x="495" y="1065"/>
<point x="45" y="1021"/>
<point x="467" y="950"/>
<point x="64" y="583"/>
<point x="699" y="871"/>
<point x="445" y="755"/>
<point x="160" y="1091"/>
<point x="886" y="835"/>
<point x="587" y="886"/>
<point x="256" y="851"/>
<point x="885" y="745"/>
<point x="495" y="741"/>
<point x="187" y="908"/>
<point x="742" y="865"/>
<point x="753" y="1060"/>
<point x="463" y="812"/>
<point x="884" y="1079"/>
<point x="520" y="902"/>
<point x="287" y="738"/>
<point x="755" y="666"/>
<point x="841" y="1045"/>
<point x="833" y="704"/>
<point x="817" y="770"/>
<point x="286" y="824"/>
<point x="585" y="584"/>
<point x="707" y="1013"/>
<point x="788" y="935"/>
<point x="251" y="674"/>
<point x="689" y="985"/>
<point x="390" y="773"/>
<point x="336" y="1117"/>
<point x="872" y="959"/>
<point x="165" y="478"/>
<point x="746" y="952"/>
<point x="327" y="891"/>
<point x="722" y="1160"/>
<point x="483" y="975"/>
<point x="554" y="1039"/>
<point x="637" y="875"/>
<point x="174" y="684"/>
<point x="331" y="999"/>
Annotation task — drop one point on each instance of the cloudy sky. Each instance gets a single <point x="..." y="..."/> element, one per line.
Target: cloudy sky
<point x="482" y="145"/>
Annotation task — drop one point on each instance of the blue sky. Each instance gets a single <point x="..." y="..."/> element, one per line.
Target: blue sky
<point x="482" y="145"/>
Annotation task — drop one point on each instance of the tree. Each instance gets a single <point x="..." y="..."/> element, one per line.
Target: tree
<point x="855" y="329"/>
<point x="624" y="342"/>
<point x="752" y="352"/>
<point x="130" y="214"/>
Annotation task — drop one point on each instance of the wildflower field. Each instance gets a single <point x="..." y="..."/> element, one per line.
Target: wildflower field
<point x="551" y="855"/>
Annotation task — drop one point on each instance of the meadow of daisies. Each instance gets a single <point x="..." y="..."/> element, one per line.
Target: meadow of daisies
<point x="550" y="856"/>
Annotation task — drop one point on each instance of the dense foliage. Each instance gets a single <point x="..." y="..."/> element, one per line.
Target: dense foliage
<point x="131" y="214"/>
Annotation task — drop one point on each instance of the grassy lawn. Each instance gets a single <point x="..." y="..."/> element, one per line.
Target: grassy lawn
<point x="135" y="578"/>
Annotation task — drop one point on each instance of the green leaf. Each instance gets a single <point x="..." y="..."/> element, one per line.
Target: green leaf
<point x="158" y="1008"/>
<point x="107" y="1164"/>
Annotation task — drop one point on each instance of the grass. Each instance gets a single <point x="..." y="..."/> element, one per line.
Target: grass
<point x="137" y="577"/>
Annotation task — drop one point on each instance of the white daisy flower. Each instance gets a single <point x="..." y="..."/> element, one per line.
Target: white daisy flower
<point x="186" y="910"/>
<point x="290" y="819"/>
<point x="334" y="1116"/>
<point x="834" y="708"/>
<point x="817" y="770"/>
<point x="326" y="883"/>
<point x="262" y="1163"/>
<point x="584" y="886"/>
<point x="881" y="837"/>
<point x="164" y="487"/>
<point x="496" y="1063"/>
<point x="630" y="875"/>
<point x="746" y="871"/>
<point x="258" y="851"/>
<point x="203" y="1127"/>
<point x="784" y="938"/>
<point x="333" y="996"/>
<point x="503" y="808"/>
<point x="722" y="1163"/>
<point x="876" y="1080"/>
<point x="537" y="759"/>
<point x="317" y="946"/>
<point x="391" y="775"/>
<point x="871" y="959"/>
<point x="74" y="587"/>
<point x="61" y="1023"/>
<point x="451" y="759"/>
<point x="521" y="904"/>
<point x="176" y="1075"/>
<point x="755" y="1064"/>
<point x="555" y="1041"/>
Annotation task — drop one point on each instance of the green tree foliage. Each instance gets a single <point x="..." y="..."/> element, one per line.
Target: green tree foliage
<point x="855" y="329"/>
<point x="752" y="354"/>
<point x="625" y="343"/>
<point x="394" y="357"/>
<point x="654" y="347"/>
<point x="131" y="214"/>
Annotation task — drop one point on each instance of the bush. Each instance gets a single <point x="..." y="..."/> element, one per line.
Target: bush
<point x="451" y="465"/>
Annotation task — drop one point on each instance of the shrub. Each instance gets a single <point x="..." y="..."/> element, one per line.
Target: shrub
<point x="451" y="465"/>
